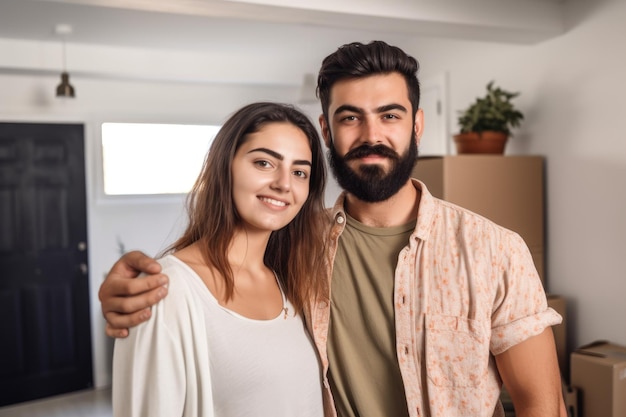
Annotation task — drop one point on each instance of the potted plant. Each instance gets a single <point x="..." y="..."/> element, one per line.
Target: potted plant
<point x="486" y="124"/>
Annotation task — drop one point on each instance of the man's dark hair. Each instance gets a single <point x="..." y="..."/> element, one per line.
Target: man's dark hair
<point x="356" y="60"/>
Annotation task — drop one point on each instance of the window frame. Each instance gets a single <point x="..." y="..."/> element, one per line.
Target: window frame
<point x="106" y="199"/>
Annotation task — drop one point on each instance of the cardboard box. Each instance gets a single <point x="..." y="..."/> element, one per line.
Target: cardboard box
<point x="559" y="304"/>
<point x="570" y="397"/>
<point x="508" y="190"/>
<point x="599" y="373"/>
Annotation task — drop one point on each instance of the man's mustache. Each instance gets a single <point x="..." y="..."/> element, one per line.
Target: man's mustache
<point x="367" y="150"/>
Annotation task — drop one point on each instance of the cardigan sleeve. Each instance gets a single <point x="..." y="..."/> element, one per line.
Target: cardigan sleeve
<point x="148" y="371"/>
<point x="162" y="368"/>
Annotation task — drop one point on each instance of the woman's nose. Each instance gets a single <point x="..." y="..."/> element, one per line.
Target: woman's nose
<point x="282" y="180"/>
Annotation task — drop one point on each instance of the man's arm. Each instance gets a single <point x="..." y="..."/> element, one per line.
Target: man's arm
<point x="530" y="373"/>
<point x="126" y="301"/>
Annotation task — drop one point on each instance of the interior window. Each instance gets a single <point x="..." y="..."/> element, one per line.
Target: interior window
<point x="145" y="159"/>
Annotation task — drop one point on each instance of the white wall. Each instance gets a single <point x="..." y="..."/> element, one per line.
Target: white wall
<point x="572" y="91"/>
<point x="577" y="120"/>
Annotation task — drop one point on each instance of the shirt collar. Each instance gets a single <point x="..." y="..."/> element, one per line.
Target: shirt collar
<point x="424" y="216"/>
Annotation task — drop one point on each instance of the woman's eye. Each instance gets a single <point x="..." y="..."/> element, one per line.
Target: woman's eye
<point x="301" y="174"/>
<point x="263" y="164"/>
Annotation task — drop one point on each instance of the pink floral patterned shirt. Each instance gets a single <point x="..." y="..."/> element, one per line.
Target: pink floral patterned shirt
<point x="466" y="289"/>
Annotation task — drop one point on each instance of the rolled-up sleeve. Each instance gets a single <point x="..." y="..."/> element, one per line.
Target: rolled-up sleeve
<point x="521" y="308"/>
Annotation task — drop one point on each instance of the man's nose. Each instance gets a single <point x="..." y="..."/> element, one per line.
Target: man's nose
<point x="371" y="132"/>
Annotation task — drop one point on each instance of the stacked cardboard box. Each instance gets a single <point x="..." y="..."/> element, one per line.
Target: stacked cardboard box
<point x="508" y="190"/>
<point x="599" y="375"/>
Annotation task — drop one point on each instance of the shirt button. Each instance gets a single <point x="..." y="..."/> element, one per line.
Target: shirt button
<point x="340" y="219"/>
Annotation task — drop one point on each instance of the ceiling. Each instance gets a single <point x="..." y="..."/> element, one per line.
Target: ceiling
<point x="195" y="24"/>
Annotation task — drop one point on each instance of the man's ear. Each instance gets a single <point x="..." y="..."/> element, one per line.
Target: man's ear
<point x="325" y="130"/>
<point x="419" y="125"/>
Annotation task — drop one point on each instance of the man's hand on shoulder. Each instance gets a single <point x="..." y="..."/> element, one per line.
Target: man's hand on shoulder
<point x="126" y="301"/>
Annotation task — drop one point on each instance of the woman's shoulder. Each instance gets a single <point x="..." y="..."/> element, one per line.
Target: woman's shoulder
<point x="182" y="304"/>
<point x="171" y="264"/>
<point x="182" y="279"/>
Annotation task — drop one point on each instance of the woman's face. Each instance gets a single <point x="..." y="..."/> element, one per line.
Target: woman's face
<point x="271" y="172"/>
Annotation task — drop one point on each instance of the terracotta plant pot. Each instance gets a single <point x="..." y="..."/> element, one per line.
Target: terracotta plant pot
<point x="489" y="142"/>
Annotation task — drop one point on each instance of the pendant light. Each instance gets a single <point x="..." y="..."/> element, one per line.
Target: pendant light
<point x="65" y="89"/>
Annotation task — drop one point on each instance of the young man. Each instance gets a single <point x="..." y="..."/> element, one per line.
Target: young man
<point x="431" y="307"/>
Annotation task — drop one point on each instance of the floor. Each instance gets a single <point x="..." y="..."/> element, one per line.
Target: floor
<point x="88" y="403"/>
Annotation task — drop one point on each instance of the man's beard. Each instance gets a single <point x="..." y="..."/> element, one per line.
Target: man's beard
<point x="371" y="184"/>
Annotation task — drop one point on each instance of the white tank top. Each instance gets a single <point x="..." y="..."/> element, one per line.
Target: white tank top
<point x="260" y="367"/>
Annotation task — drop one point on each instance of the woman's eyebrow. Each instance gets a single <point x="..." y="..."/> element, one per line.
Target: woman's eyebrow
<point x="279" y="156"/>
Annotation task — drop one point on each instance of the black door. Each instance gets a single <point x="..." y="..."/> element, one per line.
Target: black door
<point x="45" y="346"/>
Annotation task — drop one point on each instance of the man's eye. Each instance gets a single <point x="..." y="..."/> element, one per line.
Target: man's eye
<point x="390" y="116"/>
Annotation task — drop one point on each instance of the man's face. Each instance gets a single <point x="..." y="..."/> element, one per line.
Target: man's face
<point x="372" y="135"/>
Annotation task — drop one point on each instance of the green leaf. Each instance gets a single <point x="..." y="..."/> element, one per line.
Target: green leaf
<point x="494" y="111"/>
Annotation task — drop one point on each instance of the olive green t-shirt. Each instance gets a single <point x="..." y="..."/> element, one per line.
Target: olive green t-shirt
<point x="364" y="373"/>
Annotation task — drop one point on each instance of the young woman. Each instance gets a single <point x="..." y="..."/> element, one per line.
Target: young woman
<point x="229" y="340"/>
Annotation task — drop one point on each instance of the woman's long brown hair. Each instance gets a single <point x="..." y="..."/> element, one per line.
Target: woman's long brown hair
<point x="297" y="251"/>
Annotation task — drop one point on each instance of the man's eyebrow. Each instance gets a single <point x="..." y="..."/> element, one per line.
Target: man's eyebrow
<point x="279" y="156"/>
<point x="348" y="108"/>
<point x="381" y="109"/>
<point x="393" y="106"/>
